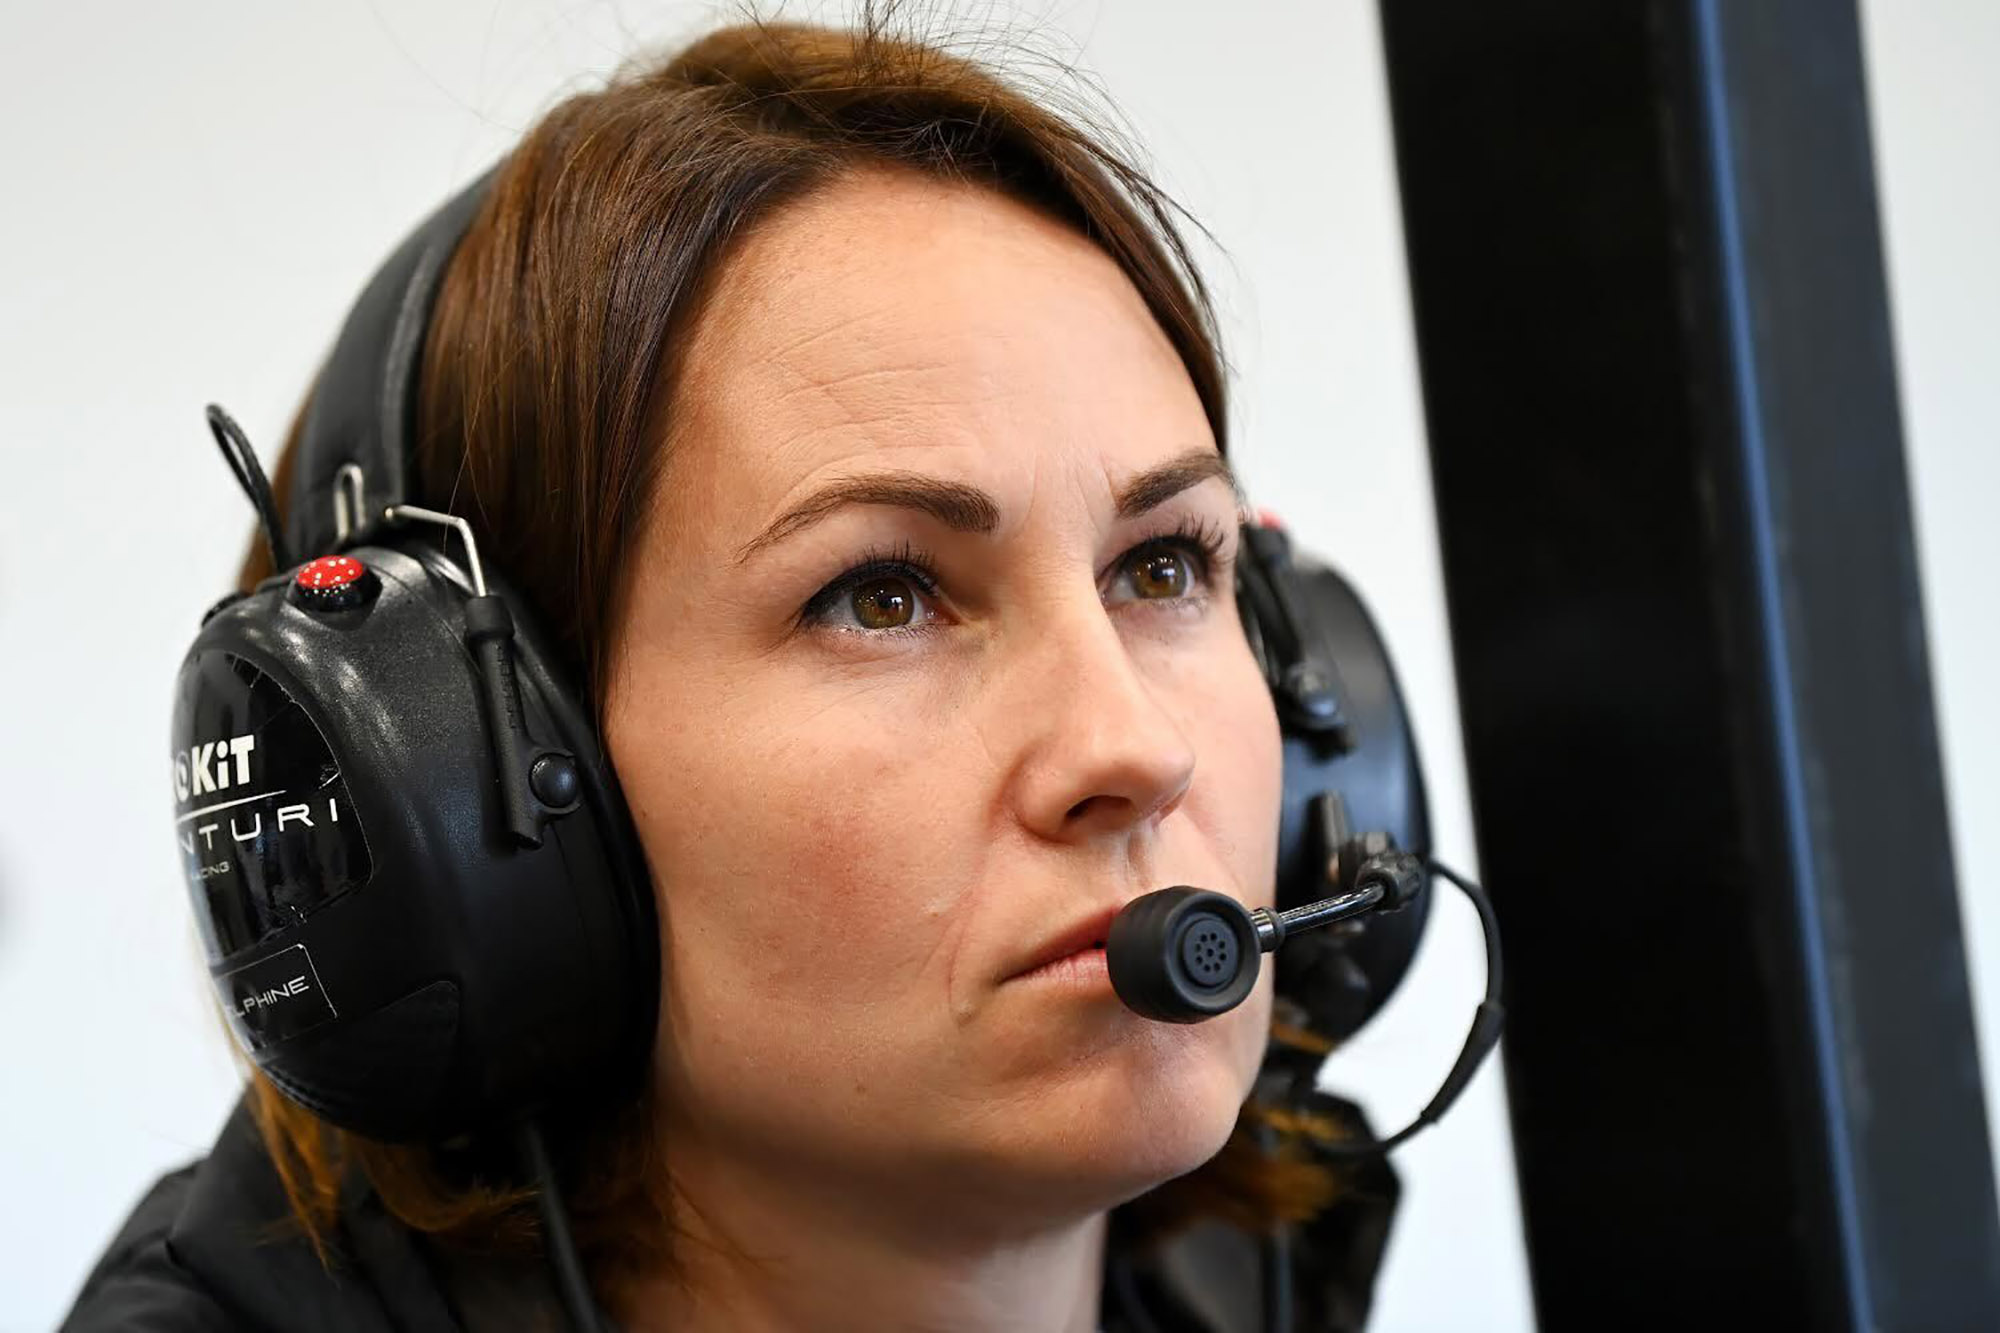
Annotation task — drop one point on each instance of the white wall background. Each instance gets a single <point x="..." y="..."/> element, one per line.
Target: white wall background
<point x="195" y="192"/>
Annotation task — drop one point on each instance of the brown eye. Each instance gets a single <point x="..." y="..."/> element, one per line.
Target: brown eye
<point x="1161" y="574"/>
<point x="885" y="595"/>
<point x="883" y="603"/>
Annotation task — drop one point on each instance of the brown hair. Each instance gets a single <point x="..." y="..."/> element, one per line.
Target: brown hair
<point x="547" y="373"/>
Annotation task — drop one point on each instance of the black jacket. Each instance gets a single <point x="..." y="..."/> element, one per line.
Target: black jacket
<point x="205" y="1252"/>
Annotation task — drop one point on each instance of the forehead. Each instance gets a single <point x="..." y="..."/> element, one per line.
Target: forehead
<point x="891" y="320"/>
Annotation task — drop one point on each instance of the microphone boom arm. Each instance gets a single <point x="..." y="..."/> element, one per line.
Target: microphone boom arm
<point x="1274" y="928"/>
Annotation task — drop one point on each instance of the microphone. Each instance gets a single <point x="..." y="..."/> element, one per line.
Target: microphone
<point x="1184" y="955"/>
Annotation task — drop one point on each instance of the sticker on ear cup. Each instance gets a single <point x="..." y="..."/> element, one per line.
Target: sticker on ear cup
<point x="275" y="998"/>
<point x="266" y="832"/>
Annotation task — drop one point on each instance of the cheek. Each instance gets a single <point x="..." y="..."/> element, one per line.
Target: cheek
<point x="1242" y="750"/>
<point x="802" y="863"/>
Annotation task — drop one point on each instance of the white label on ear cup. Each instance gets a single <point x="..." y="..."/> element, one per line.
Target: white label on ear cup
<point x="275" y="998"/>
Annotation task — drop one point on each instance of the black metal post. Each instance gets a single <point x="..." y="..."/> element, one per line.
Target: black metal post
<point x="1654" y="334"/>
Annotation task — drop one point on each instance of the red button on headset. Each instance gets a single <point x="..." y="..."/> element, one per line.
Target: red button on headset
<point x="333" y="583"/>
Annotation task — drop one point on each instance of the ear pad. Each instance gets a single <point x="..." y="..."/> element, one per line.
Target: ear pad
<point x="1363" y="750"/>
<point x="385" y="952"/>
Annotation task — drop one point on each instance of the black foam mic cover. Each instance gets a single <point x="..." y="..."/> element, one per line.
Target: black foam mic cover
<point x="1183" y="954"/>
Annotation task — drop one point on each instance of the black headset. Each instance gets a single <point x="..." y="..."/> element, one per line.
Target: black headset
<point x="423" y="901"/>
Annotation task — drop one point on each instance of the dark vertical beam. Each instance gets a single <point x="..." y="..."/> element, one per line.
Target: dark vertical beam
<point x="1653" y="328"/>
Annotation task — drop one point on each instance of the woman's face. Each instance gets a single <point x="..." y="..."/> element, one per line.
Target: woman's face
<point x="867" y="804"/>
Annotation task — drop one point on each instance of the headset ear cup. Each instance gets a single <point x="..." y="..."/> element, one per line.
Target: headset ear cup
<point x="616" y="893"/>
<point x="1253" y="629"/>
<point x="388" y="952"/>
<point x="1322" y="974"/>
<point x="1258" y="565"/>
<point x="1340" y="977"/>
<point x="602" y="858"/>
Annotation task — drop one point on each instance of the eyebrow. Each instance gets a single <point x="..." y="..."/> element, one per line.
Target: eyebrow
<point x="966" y="508"/>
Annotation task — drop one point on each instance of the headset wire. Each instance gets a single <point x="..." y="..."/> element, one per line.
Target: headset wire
<point x="572" y="1283"/>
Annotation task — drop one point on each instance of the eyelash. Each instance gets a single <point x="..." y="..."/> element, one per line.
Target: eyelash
<point x="1199" y="537"/>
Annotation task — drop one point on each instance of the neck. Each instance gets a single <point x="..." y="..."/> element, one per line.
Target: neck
<point x="753" y="1254"/>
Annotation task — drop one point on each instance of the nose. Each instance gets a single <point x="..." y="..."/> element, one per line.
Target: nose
<point x="1107" y="755"/>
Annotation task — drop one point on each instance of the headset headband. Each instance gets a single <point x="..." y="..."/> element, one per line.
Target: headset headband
<point x="364" y="405"/>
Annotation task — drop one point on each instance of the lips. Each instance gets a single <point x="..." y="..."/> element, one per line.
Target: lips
<point x="1088" y="932"/>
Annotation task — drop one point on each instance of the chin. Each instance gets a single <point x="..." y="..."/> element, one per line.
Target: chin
<point x="1085" y="1117"/>
<point x="1110" y="1129"/>
<point x="1177" y="1116"/>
